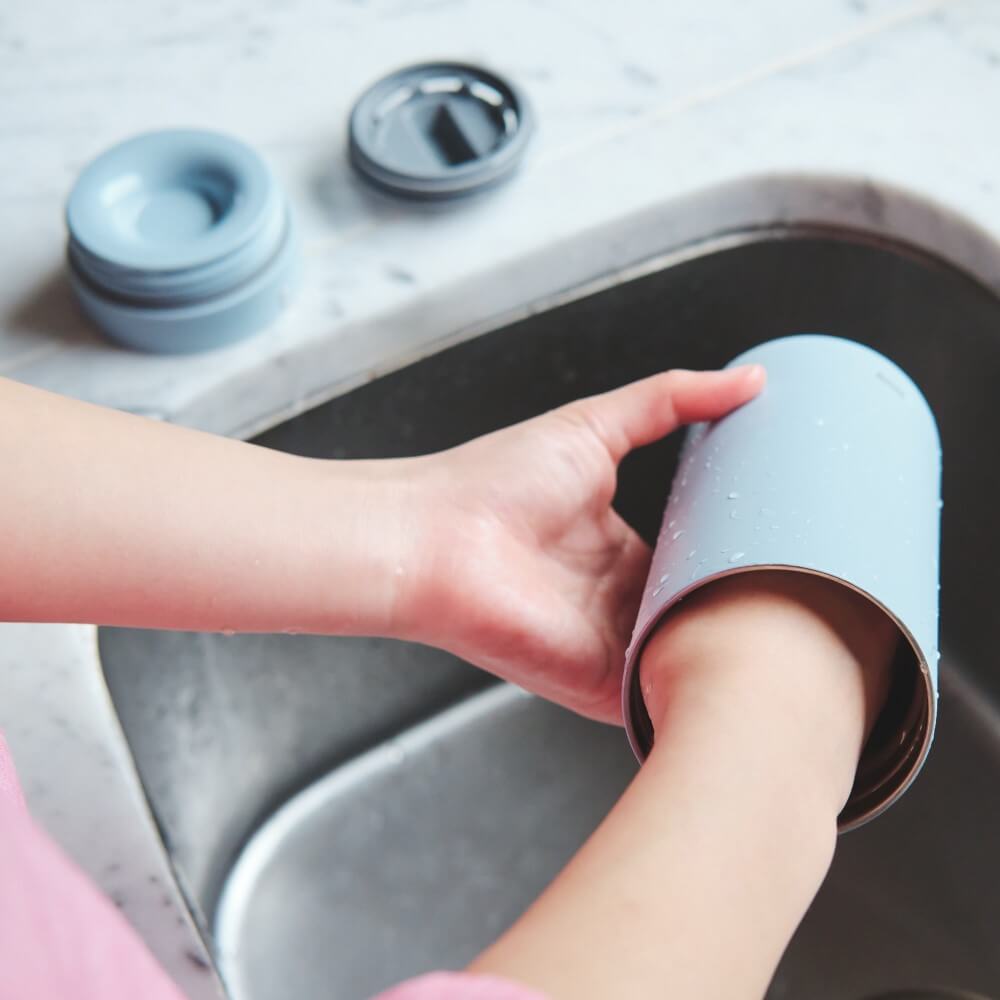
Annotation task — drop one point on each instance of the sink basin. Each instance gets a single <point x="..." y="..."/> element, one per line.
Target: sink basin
<point x="343" y="813"/>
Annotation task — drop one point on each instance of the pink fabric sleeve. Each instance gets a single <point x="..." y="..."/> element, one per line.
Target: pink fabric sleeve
<point x="459" y="986"/>
<point x="60" y="939"/>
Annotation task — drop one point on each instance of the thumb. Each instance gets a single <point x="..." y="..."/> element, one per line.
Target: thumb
<point x="647" y="410"/>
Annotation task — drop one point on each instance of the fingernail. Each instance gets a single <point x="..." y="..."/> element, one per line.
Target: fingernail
<point x="752" y="373"/>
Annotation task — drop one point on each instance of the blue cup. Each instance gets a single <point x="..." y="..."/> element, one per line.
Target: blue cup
<point x="833" y="470"/>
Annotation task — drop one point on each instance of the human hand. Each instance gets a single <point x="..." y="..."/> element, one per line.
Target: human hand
<point x="523" y="567"/>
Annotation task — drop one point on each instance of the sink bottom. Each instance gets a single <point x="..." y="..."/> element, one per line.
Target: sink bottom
<point x="416" y="855"/>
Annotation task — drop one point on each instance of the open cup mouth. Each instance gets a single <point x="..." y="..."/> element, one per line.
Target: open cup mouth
<point x="895" y="749"/>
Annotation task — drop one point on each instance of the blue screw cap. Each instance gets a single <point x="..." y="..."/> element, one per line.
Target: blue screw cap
<point x="179" y="241"/>
<point x="439" y="130"/>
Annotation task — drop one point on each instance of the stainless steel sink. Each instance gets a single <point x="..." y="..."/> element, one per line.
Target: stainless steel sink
<point x="346" y="812"/>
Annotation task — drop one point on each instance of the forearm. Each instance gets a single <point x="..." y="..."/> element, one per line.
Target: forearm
<point x="697" y="879"/>
<point x="115" y="519"/>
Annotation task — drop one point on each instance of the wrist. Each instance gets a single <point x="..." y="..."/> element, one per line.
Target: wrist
<point x="786" y="664"/>
<point x="371" y="532"/>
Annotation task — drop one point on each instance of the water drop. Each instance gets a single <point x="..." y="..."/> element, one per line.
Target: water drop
<point x="658" y="591"/>
<point x="708" y="464"/>
<point x="733" y="496"/>
<point x="228" y="632"/>
<point x="690" y="555"/>
<point x="736" y="556"/>
<point x="677" y="534"/>
<point x="664" y="578"/>
<point x="734" y="516"/>
<point x="671" y="523"/>
<point x="684" y="481"/>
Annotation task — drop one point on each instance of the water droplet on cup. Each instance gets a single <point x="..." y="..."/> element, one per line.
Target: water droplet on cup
<point x="734" y="516"/>
<point x="736" y="556"/>
<point x="690" y="555"/>
<point x="733" y="496"/>
<point x="677" y="534"/>
<point x="664" y="578"/>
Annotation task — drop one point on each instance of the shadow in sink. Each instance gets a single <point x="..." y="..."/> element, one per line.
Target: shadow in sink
<point x="448" y="801"/>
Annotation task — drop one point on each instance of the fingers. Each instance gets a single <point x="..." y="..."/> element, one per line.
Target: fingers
<point x="651" y="408"/>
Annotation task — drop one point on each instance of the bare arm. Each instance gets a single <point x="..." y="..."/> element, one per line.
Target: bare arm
<point x="505" y="550"/>
<point x="116" y="519"/>
<point x="760" y="690"/>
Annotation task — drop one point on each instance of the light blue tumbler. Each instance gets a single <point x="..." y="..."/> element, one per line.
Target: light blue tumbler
<point x="833" y="470"/>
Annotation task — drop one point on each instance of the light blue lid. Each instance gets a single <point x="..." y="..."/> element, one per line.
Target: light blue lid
<point x="180" y="240"/>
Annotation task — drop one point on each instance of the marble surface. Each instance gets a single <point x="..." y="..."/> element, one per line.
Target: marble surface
<point x="661" y="124"/>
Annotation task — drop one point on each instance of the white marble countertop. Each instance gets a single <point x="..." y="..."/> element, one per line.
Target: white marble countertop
<point x="660" y="124"/>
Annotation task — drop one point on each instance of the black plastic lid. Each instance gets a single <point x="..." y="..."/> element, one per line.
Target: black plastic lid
<point x="439" y="130"/>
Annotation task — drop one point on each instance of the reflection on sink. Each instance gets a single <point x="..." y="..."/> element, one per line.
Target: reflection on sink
<point x="368" y="809"/>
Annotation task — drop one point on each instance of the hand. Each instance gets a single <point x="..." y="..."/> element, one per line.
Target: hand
<point x="524" y="568"/>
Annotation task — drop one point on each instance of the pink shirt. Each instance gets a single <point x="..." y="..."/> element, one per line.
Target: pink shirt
<point x="60" y="939"/>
